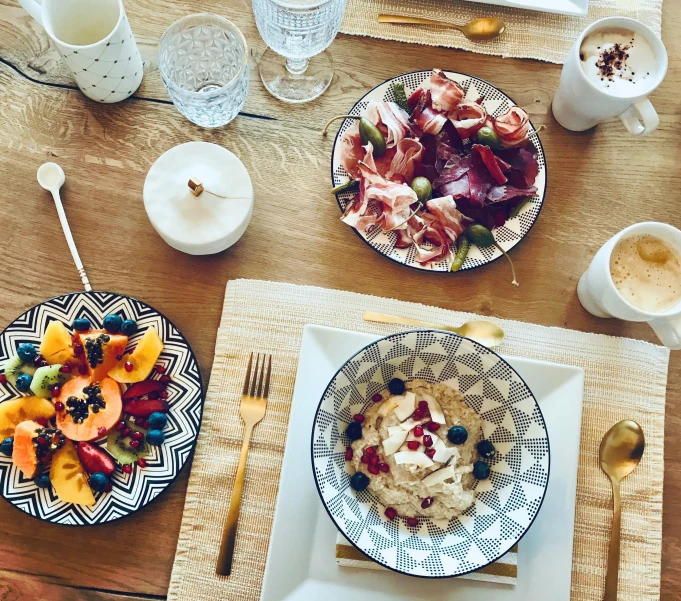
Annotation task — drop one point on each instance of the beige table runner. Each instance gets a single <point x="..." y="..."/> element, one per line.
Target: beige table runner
<point x="529" y="34"/>
<point x="624" y="379"/>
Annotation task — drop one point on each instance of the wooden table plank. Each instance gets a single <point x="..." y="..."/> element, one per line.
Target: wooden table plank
<point x="599" y="182"/>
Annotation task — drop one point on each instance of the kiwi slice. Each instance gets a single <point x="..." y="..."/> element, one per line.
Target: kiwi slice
<point x="45" y="379"/>
<point x="14" y="367"/>
<point x="120" y="448"/>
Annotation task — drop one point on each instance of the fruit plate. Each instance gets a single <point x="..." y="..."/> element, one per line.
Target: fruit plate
<point x="301" y="564"/>
<point x="130" y="491"/>
<point x="507" y="236"/>
<point x="505" y="505"/>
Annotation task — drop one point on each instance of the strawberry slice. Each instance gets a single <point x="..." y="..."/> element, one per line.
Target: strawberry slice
<point x="94" y="459"/>
<point x="142" y="388"/>
<point x="145" y="407"/>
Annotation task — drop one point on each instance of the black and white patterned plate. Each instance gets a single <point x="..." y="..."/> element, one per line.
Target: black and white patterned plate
<point x="505" y="505"/>
<point x="507" y="236"/>
<point x="130" y="491"/>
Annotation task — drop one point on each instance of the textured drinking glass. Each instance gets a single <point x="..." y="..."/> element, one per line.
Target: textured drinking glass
<point x="300" y="31"/>
<point x="203" y="60"/>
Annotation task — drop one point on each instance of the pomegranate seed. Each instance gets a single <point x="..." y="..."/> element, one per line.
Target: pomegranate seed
<point x="377" y="397"/>
<point x="433" y="426"/>
<point x="370" y="451"/>
<point x="39" y="359"/>
<point x="127" y="469"/>
<point x="59" y="406"/>
<point x="365" y="459"/>
<point x="135" y="444"/>
<point x="3" y="379"/>
<point x="418" y="413"/>
<point x="109" y="488"/>
<point x="427" y="441"/>
<point x="145" y="424"/>
<point x="373" y="469"/>
<point x="412" y="522"/>
<point x="153" y="395"/>
<point x="139" y="421"/>
<point x="42" y="421"/>
<point x="373" y="460"/>
<point x="163" y="394"/>
<point x="137" y="436"/>
<point x="423" y="405"/>
<point x="359" y="418"/>
<point x="41" y="440"/>
<point x="55" y="391"/>
<point x="426" y="503"/>
<point x="101" y="431"/>
<point x="413" y="445"/>
<point x="418" y="431"/>
<point x="78" y="350"/>
<point x="129" y="366"/>
<point x="120" y="426"/>
<point x="165" y="379"/>
<point x="82" y="369"/>
<point x="348" y="454"/>
<point x="65" y="369"/>
<point x="55" y="439"/>
<point x="390" y="513"/>
<point x="430" y="453"/>
<point x="384" y="467"/>
<point x="126" y="432"/>
<point x="160" y="369"/>
<point x="141" y="462"/>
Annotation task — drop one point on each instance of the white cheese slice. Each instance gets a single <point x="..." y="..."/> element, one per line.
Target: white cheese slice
<point x="392" y="444"/>
<point x="436" y="413"/>
<point x="387" y="406"/>
<point x="406" y="405"/>
<point x="413" y="457"/>
<point x="439" y="476"/>
<point x="411" y="423"/>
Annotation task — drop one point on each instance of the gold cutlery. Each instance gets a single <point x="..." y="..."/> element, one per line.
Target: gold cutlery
<point x="484" y="332"/>
<point x="478" y="30"/>
<point x="253" y="405"/>
<point x="621" y="451"/>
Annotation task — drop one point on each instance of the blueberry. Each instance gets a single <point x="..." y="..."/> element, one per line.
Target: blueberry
<point x="457" y="435"/>
<point x="24" y="382"/>
<point x="156" y="437"/>
<point x="486" y="449"/>
<point x="99" y="481"/>
<point x="359" y="481"/>
<point x="27" y="352"/>
<point x="112" y="323"/>
<point x="396" y="386"/>
<point x="129" y="327"/>
<point x="6" y="446"/>
<point x="354" y="431"/>
<point x="481" y="470"/>
<point x="157" y="420"/>
<point x="43" y="481"/>
<point x="81" y="325"/>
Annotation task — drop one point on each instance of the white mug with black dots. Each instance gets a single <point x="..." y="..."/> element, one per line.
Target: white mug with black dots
<point x="95" y="40"/>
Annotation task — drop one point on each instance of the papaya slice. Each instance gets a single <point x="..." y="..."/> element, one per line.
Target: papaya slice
<point x="102" y="351"/>
<point x="143" y="359"/>
<point x="18" y="410"/>
<point x="69" y="478"/>
<point x="33" y="446"/>
<point x="56" y="346"/>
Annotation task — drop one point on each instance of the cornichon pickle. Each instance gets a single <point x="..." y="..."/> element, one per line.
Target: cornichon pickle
<point x="423" y="189"/>
<point x="345" y="186"/>
<point x="478" y="234"/>
<point x="368" y="132"/>
<point x="401" y="96"/>
<point x="461" y="253"/>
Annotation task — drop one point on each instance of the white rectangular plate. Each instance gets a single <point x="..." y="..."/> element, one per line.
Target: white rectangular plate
<point x="301" y="564"/>
<point x="565" y="7"/>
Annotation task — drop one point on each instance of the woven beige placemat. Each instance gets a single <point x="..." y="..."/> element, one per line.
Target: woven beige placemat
<point x="623" y="379"/>
<point x="529" y="34"/>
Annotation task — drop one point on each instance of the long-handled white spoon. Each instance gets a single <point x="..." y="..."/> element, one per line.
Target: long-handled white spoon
<point x="51" y="177"/>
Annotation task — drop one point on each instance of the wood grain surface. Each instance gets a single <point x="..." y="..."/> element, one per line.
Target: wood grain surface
<point x="599" y="182"/>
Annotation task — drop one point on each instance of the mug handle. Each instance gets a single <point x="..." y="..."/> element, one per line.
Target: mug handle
<point x="668" y="330"/>
<point x="640" y="118"/>
<point x="33" y="8"/>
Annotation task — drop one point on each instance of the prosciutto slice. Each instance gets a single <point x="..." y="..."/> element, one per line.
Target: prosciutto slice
<point x="392" y="117"/>
<point x="468" y="118"/>
<point x="512" y="127"/>
<point x="487" y="156"/>
<point x="426" y="117"/>
<point x="503" y="193"/>
<point x="409" y="153"/>
<point x="446" y="94"/>
<point x="445" y="211"/>
<point x="351" y="152"/>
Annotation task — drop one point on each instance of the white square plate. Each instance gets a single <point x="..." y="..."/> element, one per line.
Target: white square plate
<point x="301" y="563"/>
<point x="565" y="7"/>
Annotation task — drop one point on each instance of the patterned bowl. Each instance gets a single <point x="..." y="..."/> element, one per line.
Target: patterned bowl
<point x="505" y="505"/>
<point x="130" y="491"/>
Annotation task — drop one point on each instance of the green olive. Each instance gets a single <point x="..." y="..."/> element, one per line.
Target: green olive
<point x="480" y="235"/>
<point x="368" y="132"/>
<point x="423" y="189"/>
<point x="488" y="137"/>
<point x="461" y="253"/>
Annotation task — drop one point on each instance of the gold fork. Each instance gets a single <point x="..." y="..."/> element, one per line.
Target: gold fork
<point x="253" y="405"/>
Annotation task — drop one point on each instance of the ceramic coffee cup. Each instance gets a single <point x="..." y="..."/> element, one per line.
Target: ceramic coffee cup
<point x="579" y="104"/>
<point x="95" y="40"/>
<point x="599" y="296"/>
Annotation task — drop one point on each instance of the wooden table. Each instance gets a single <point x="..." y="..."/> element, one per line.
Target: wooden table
<point x="600" y="182"/>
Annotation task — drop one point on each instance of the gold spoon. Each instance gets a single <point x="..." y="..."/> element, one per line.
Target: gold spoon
<point x="484" y="332"/>
<point x="621" y="451"/>
<point x="478" y="30"/>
